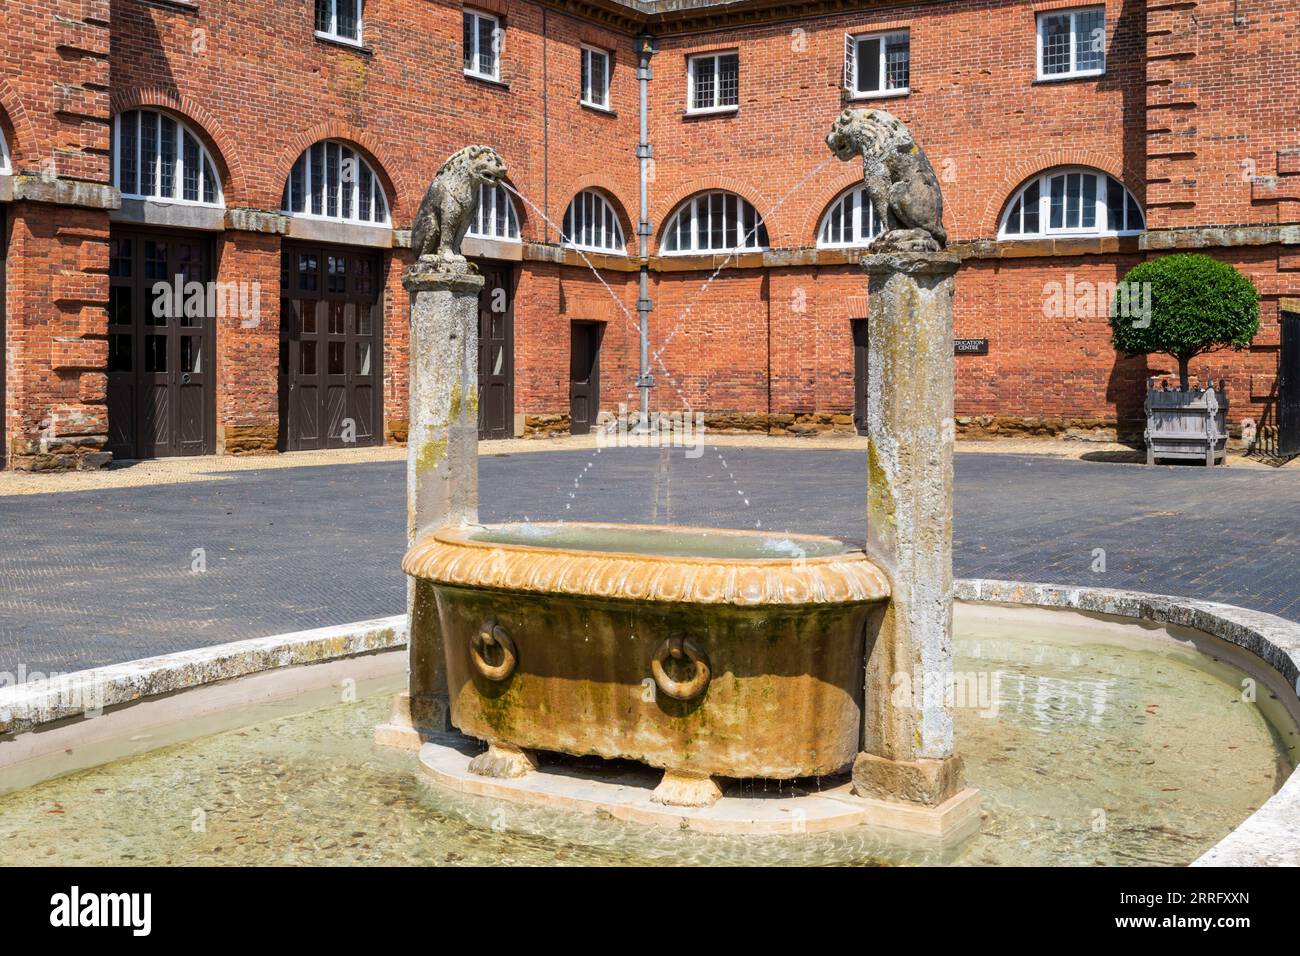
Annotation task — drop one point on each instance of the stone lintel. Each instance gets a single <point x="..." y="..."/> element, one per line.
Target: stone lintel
<point x="60" y="192"/>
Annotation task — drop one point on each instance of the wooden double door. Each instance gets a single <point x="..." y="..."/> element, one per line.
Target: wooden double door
<point x="331" y="348"/>
<point x="161" y="345"/>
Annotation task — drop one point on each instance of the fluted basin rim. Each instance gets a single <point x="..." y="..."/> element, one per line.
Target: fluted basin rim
<point x="451" y="556"/>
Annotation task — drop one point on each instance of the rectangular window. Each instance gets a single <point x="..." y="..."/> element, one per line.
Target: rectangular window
<point x="878" y="64"/>
<point x="1072" y="43"/>
<point x="714" y="83"/>
<point x="339" y="20"/>
<point x="481" y="45"/>
<point x="595" y="77"/>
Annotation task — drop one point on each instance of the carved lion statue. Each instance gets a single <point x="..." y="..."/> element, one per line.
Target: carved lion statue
<point x="901" y="184"/>
<point x="450" y="202"/>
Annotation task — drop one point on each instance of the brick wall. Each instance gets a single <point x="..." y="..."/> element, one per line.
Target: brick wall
<point x="1195" y="114"/>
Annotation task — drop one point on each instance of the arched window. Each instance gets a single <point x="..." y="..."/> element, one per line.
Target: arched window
<point x="4" y="154"/>
<point x="591" y="223"/>
<point x="331" y="180"/>
<point x="1071" y="201"/>
<point x="157" y="156"/>
<point x="850" y="221"/>
<point x="714" y="222"/>
<point x="496" y="217"/>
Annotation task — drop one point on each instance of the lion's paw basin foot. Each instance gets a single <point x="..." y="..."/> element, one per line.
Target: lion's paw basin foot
<point x="686" y="790"/>
<point x="502" y="762"/>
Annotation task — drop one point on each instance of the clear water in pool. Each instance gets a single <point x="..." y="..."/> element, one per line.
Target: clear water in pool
<point x="1087" y="751"/>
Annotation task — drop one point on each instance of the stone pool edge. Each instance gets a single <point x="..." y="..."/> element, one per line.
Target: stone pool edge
<point x="1271" y="835"/>
<point x="1268" y="837"/>
<point x="29" y="706"/>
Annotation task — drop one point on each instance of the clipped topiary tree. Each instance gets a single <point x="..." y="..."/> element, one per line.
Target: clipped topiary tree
<point x="1184" y="305"/>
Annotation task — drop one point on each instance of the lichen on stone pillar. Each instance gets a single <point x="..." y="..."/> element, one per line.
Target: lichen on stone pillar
<point x="907" y="734"/>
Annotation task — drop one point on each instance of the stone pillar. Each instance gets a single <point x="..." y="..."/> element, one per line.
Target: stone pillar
<point x="907" y="745"/>
<point x="441" y="470"/>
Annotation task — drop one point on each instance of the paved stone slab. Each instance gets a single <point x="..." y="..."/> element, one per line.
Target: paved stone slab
<point x="95" y="578"/>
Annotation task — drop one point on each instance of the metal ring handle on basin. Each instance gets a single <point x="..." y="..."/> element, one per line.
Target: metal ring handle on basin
<point x="492" y="634"/>
<point x="679" y="648"/>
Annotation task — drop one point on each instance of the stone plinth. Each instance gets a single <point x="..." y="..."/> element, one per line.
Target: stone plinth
<point x="907" y="731"/>
<point x="441" y="467"/>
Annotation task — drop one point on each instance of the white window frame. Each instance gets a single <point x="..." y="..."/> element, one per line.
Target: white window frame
<point x="701" y="202"/>
<point x="604" y="219"/>
<point x="498" y="43"/>
<point x="4" y="155"/>
<point x="716" y="57"/>
<point x="853" y="63"/>
<point x="1101" y="208"/>
<point x="1074" y="71"/>
<point x="855" y="208"/>
<point x="354" y="196"/>
<point x="206" y="164"/>
<point x="487" y="224"/>
<point x="584" y="96"/>
<point x="332" y="32"/>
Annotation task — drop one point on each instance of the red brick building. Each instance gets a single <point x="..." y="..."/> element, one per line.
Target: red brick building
<point x="275" y="153"/>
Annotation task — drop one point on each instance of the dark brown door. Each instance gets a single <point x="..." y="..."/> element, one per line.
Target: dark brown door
<point x="331" y="340"/>
<point x="860" y="375"/>
<point x="1288" y="387"/>
<point x="496" y="352"/>
<point x="161" y="345"/>
<point x="584" y="376"/>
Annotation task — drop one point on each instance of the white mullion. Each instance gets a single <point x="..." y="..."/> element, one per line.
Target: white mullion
<point x="306" y="180"/>
<point x="356" y="188"/>
<point x="1044" y="205"/>
<point x="1099" y="202"/>
<point x="117" y="152"/>
<point x="343" y="183"/>
<point x="157" y="144"/>
<point x="179" y="171"/>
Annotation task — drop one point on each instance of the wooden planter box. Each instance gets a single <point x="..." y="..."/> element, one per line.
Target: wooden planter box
<point x="1191" y="424"/>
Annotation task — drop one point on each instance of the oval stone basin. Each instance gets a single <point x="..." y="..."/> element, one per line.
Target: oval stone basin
<point x="700" y="651"/>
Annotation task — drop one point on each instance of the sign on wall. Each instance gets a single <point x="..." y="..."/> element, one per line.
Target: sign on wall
<point x="970" y="346"/>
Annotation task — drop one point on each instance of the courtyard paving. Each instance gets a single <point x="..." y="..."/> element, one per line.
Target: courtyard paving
<point x="101" y="576"/>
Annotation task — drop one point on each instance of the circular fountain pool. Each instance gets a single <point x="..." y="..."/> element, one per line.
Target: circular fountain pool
<point x="1092" y="743"/>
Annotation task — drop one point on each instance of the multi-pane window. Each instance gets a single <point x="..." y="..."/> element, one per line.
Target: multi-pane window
<point x="849" y="222"/>
<point x="595" y="77"/>
<point x="591" y="223"/>
<point x="714" y="222"/>
<point x="1072" y="202"/>
<point x="339" y="19"/>
<point x="877" y="64"/>
<point x="4" y="154"/>
<point x="482" y="45"/>
<point x="496" y="217"/>
<point x="156" y="156"/>
<point x="713" y="82"/>
<point x="332" y="181"/>
<point x="1072" y="43"/>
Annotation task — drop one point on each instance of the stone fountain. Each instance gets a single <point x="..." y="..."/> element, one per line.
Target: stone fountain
<point x="711" y="655"/>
